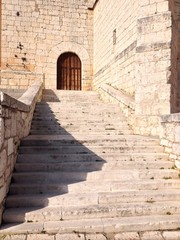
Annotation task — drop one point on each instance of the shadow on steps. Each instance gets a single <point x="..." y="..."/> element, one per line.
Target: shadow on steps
<point x="47" y="165"/>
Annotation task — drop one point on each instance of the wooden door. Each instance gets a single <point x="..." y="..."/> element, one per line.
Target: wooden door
<point x="69" y="72"/>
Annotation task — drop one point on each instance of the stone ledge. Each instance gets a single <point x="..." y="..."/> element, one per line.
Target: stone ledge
<point x="119" y="95"/>
<point x="24" y="102"/>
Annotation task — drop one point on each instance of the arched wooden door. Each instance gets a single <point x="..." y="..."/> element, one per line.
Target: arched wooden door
<point x="69" y="72"/>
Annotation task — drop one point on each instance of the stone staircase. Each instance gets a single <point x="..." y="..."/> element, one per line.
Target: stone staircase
<point x="82" y="174"/>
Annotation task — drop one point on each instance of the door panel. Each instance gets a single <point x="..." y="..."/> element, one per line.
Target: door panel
<point x="69" y="72"/>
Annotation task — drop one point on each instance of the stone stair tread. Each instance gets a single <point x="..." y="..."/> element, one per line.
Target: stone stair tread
<point x="86" y="199"/>
<point x="75" y="176"/>
<point x="89" y="149"/>
<point x="106" y="225"/>
<point x="62" y="132"/>
<point x="108" y="157"/>
<point x="92" y="186"/>
<point x="91" y="166"/>
<point x="51" y="213"/>
<point x="82" y="137"/>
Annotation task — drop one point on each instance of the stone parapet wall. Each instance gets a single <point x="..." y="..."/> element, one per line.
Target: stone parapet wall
<point x="141" y="124"/>
<point x="170" y="136"/>
<point x="18" y="79"/>
<point x="126" y="102"/>
<point x="15" y="122"/>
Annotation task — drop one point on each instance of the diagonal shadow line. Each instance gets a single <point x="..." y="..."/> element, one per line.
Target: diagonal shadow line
<point x="49" y="163"/>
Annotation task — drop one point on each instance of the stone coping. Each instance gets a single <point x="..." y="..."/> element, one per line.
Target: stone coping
<point x="119" y="95"/>
<point x="24" y="102"/>
<point x="174" y="117"/>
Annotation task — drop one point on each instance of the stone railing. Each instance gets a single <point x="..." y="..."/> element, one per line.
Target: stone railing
<point x="126" y="102"/>
<point x="170" y="136"/>
<point x="168" y="125"/>
<point x="15" y="122"/>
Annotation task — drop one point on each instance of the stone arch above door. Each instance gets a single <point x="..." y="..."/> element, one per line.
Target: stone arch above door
<point x="53" y="55"/>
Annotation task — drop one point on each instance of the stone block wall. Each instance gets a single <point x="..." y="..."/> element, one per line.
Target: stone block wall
<point x="133" y="54"/>
<point x="170" y="136"/>
<point x="153" y="57"/>
<point x="18" y="79"/>
<point x="115" y="35"/>
<point x="37" y="32"/>
<point x="15" y="122"/>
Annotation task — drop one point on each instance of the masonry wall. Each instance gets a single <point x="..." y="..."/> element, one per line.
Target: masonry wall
<point x="114" y="56"/>
<point x="140" y="62"/>
<point x="36" y="32"/>
<point x="15" y="123"/>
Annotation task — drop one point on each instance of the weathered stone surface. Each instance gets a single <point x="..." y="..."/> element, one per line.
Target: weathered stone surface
<point x="127" y="236"/>
<point x="151" y="235"/>
<point x="95" y="237"/>
<point x="41" y="237"/>
<point x="12" y="129"/>
<point x="70" y="236"/>
<point x="14" y="237"/>
<point x="171" y="235"/>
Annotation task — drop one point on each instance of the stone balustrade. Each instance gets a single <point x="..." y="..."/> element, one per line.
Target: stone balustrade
<point x="170" y="136"/>
<point x="168" y="125"/>
<point x="15" y="122"/>
<point x="126" y="102"/>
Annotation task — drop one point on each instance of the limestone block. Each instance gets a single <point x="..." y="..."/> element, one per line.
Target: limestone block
<point x="95" y="237"/>
<point x="176" y="148"/>
<point x="10" y="146"/>
<point x="40" y="237"/>
<point x="14" y="237"/>
<point x="127" y="236"/>
<point x="177" y="164"/>
<point x="177" y="133"/>
<point x="152" y="235"/>
<point x="164" y="142"/>
<point x="2" y="193"/>
<point x="1" y="132"/>
<point x="3" y="161"/>
<point x="70" y="237"/>
<point x="173" y="156"/>
<point x="168" y="150"/>
<point x="172" y="235"/>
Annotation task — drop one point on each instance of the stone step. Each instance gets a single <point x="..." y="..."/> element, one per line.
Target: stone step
<point x="78" y="176"/>
<point x="70" y="141"/>
<point x="19" y="215"/>
<point x="92" y="186"/>
<point x="70" y="132"/>
<point x="58" y="158"/>
<point x="99" y="226"/>
<point x="82" y="138"/>
<point x="65" y="108"/>
<point x="85" y="128"/>
<point x="86" y="199"/>
<point x="84" y="121"/>
<point x="88" y="149"/>
<point x="78" y="115"/>
<point x="74" y="119"/>
<point x="91" y="166"/>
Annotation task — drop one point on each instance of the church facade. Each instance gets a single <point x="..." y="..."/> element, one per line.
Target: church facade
<point x="130" y="46"/>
